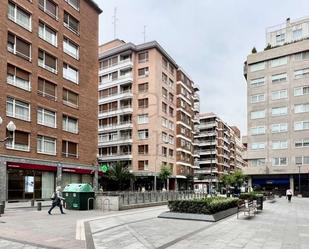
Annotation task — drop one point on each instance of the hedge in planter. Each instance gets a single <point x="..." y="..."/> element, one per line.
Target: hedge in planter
<point x="250" y="196"/>
<point x="204" y="206"/>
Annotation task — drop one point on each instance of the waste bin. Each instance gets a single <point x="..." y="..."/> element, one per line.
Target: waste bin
<point x="79" y="196"/>
<point x="259" y="201"/>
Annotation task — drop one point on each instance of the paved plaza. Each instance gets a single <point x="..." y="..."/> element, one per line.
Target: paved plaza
<point x="280" y="225"/>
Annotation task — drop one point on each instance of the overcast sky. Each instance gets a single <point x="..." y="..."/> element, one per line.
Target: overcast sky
<point x="210" y="39"/>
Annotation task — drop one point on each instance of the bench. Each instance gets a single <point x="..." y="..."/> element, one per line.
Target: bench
<point x="247" y="206"/>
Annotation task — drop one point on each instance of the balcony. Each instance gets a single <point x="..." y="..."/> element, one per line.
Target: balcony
<point x="122" y="125"/>
<point x="208" y="152"/>
<point x="120" y="140"/>
<point x="119" y="66"/>
<point x="196" y="97"/>
<point x="127" y="78"/>
<point x="207" y="161"/>
<point x="207" y="125"/>
<point x="207" y="142"/>
<point x="117" y="96"/>
<point x="206" y="171"/>
<point x="206" y="134"/>
<point x="115" y="157"/>
<point x="116" y="111"/>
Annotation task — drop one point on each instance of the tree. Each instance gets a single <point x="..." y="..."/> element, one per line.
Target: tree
<point x="239" y="178"/>
<point x="253" y="51"/>
<point x="165" y="173"/>
<point x="120" y="174"/>
<point x="267" y="47"/>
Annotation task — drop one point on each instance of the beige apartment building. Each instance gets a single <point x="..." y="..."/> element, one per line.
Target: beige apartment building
<point x="220" y="150"/>
<point x="48" y="82"/>
<point x="278" y="109"/>
<point x="146" y="109"/>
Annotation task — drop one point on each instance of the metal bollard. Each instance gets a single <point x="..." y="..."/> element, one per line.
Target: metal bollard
<point x="1" y="209"/>
<point x="32" y="203"/>
<point x="39" y="206"/>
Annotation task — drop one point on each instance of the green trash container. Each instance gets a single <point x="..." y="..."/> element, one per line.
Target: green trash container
<point x="79" y="196"/>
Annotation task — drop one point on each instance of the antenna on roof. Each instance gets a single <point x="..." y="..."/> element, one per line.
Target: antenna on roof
<point x="144" y="33"/>
<point x="115" y="20"/>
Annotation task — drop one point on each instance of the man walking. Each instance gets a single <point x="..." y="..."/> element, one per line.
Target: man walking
<point x="56" y="198"/>
<point x="289" y="194"/>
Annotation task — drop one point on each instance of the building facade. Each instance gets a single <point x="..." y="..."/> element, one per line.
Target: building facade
<point x="220" y="151"/>
<point x="144" y="100"/>
<point x="48" y="81"/>
<point x="278" y="110"/>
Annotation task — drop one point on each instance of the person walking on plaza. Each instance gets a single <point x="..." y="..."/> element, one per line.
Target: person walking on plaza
<point x="56" y="200"/>
<point x="289" y="194"/>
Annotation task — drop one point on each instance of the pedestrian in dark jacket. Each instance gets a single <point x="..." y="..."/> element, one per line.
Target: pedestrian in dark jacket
<point x="56" y="200"/>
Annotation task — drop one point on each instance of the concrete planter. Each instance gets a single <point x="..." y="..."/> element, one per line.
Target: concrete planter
<point x="200" y="217"/>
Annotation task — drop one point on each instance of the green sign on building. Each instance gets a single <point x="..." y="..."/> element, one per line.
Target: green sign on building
<point x="104" y="168"/>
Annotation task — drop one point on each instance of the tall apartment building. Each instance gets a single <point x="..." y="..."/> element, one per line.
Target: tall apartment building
<point x="48" y="81"/>
<point x="146" y="108"/>
<point x="220" y="149"/>
<point x="278" y="109"/>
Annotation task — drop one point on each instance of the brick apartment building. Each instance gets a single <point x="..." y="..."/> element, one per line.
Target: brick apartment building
<point x="48" y="81"/>
<point x="220" y="149"/>
<point x="278" y="110"/>
<point x="147" y="105"/>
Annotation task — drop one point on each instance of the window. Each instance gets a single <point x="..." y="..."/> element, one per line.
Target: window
<point x="19" y="16"/>
<point x="143" y="72"/>
<point x="171" y="125"/>
<point x="18" y="77"/>
<point x="258" y="114"/>
<point x="143" y="149"/>
<point x="49" y="7"/>
<point x="280" y="38"/>
<point x="73" y="3"/>
<point x="164" y="137"/>
<point x="279" y="111"/>
<point x="46" y="117"/>
<point x="70" y="48"/>
<point x="164" y="107"/>
<point x="71" y="23"/>
<point x="301" y="125"/>
<point x="164" y="63"/>
<point x="164" y="151"/>
<point x="297" y="33"/>
<point x="257" y="66"/>
<point x="171" y="69"/>
<point x="17" y="109"/>
<point x="109" y="62"/>
<point x="278" y="78"/>
<point x="143" y="165"/>
<point x="279" y="161"/>
<point x="142" y="119"/>
<point x="258" y="146"/>
<point x="279" y="61"/>
<point x="302" y="143"/>
<point x="258" y="130"/>
<point x="276" y="128"/>
<point x="46" y="89"/>
<point x="302" y="73"/>
<point x="170" y="83"/>
<point x="301" y="108"/>
<point x="69" y="124"/>
<point x="70" y="98"/>
<point x="303" y="90"/>
<point x="301" y="56"/>
<point x="20" y="141"/>
<point x="171" y="111"/>
<point x="70" y="73"/>
<point x="47" y="33"/>
<point x="143" y="57"/>
<point x="143" y="87"/>
<point x="257" y="98"/>
<point x="143" y="134"/>
<point x="280" y="94"/>
<point x="143" y="103"/>
<point x="164" y="93"/>
<point x="302" y="160"/>
<point x="165" y="122"/>
<point x="257" y="162"/>
<point x="171" y="153"/>
<point x="277" y="145"/>
<point x="18" y="47"/>
<point x="257" y="82"/>
<point x="69" y="149"/>
<point x="47" y="61"/>
<point x="171" y="139"/>
<point x="171" y="97"/>
<point x="46" y="145"/>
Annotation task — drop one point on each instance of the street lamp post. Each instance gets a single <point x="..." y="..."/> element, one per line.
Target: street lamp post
<point x="157" y="155"/>
<point x="299" y="188"/>
<point x="11" y="127"/>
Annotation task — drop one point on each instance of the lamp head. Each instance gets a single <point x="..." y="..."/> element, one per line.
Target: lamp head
<point x="11" y="126"/>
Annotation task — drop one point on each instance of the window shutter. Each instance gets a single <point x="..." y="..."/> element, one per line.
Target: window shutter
<point x="41" y="85"/>
<point x="22" y="74"/>
<point x="72" y="148"/>
<point x="73" y="98"/>
<point x="23" y="47"/>
<point x="21" y="137"/>
<point x="50" y="88"/>
<point x="50" y="61"/>
<point x="10" y="69"/>
<point x="51" y="7"/>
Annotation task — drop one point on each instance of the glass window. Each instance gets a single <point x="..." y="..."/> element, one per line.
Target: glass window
<point x="280" y="94"/>
<point x="46" y="145"/>
<point x="143" y="134"/>
<point x="73" y="3"/>
<point x="257" y="66"/>
<point x="257" y="82"/>
<point x="143" y="87"/>
<point x="143" y="57"/>
<point x="47" y="33"/>
<point x="142" y="119"/>
<point x="301" y="125"/>
<point x="143" y="103"/>
<point x="279" y="161"/>
<point x="279" y="61"/>
<point x="143" y="165"/>
<point x="278" y="78"/>
<point x="279" y="111"/>
<point x="71" y="23"/>
<point x="257" y="162"/>
<point x="47" y="61"/>
<point x="18" y="77"/>
<point x="70" y="73"/>
<point x="46" y="117"/>
<point x="303" y="90"/>
<point x="143" y="149"/>
<point x="258" y="114"/>
<point x="301" y="73"/>
<point x="70" y="48"/>
<point x="17" y="109"/>
<point x="257" y="98"/>
<point x="69" y="149"/>
<point x="301" y="108"/>
<point x="47" y="89"/>
<point x="20" y="141"/>
<point x="143" y="72"/>
<point x="70" y="98"/>
<point x="69" y="124"/>
<point x="19" y="16"/>
<point x="276" y="145"/>
<point x="258" y="146"/>
<point x="276" y="128"/>
<point x="18" y="47"/>
<point x="258" y="130"/>
<point x="49" y="7"/>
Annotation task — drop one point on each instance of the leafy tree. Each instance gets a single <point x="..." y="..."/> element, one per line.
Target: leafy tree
<point x="253" y="51"/>
<point x="120" y="174"/>
<point x="267" y="47"/>
<point x="165" y="173"/>
<point x="239" y="178"/>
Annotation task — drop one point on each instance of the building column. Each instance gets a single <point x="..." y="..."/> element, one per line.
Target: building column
<point x="155" y="183"/>
<point x="96" y="179"/>
<point x="292" y="183"/>
<point x="168" y="184"/>
<point x="250" y="182"/>
<point x="3" y="180"/>
<point x="59" y="174"/>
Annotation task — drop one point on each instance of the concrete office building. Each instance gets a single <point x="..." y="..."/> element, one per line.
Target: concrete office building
<point x="220" y="149"/>
<point x="146" y="108"/>
<point x="48" y="81"/>
<point x="278" y="109"/>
